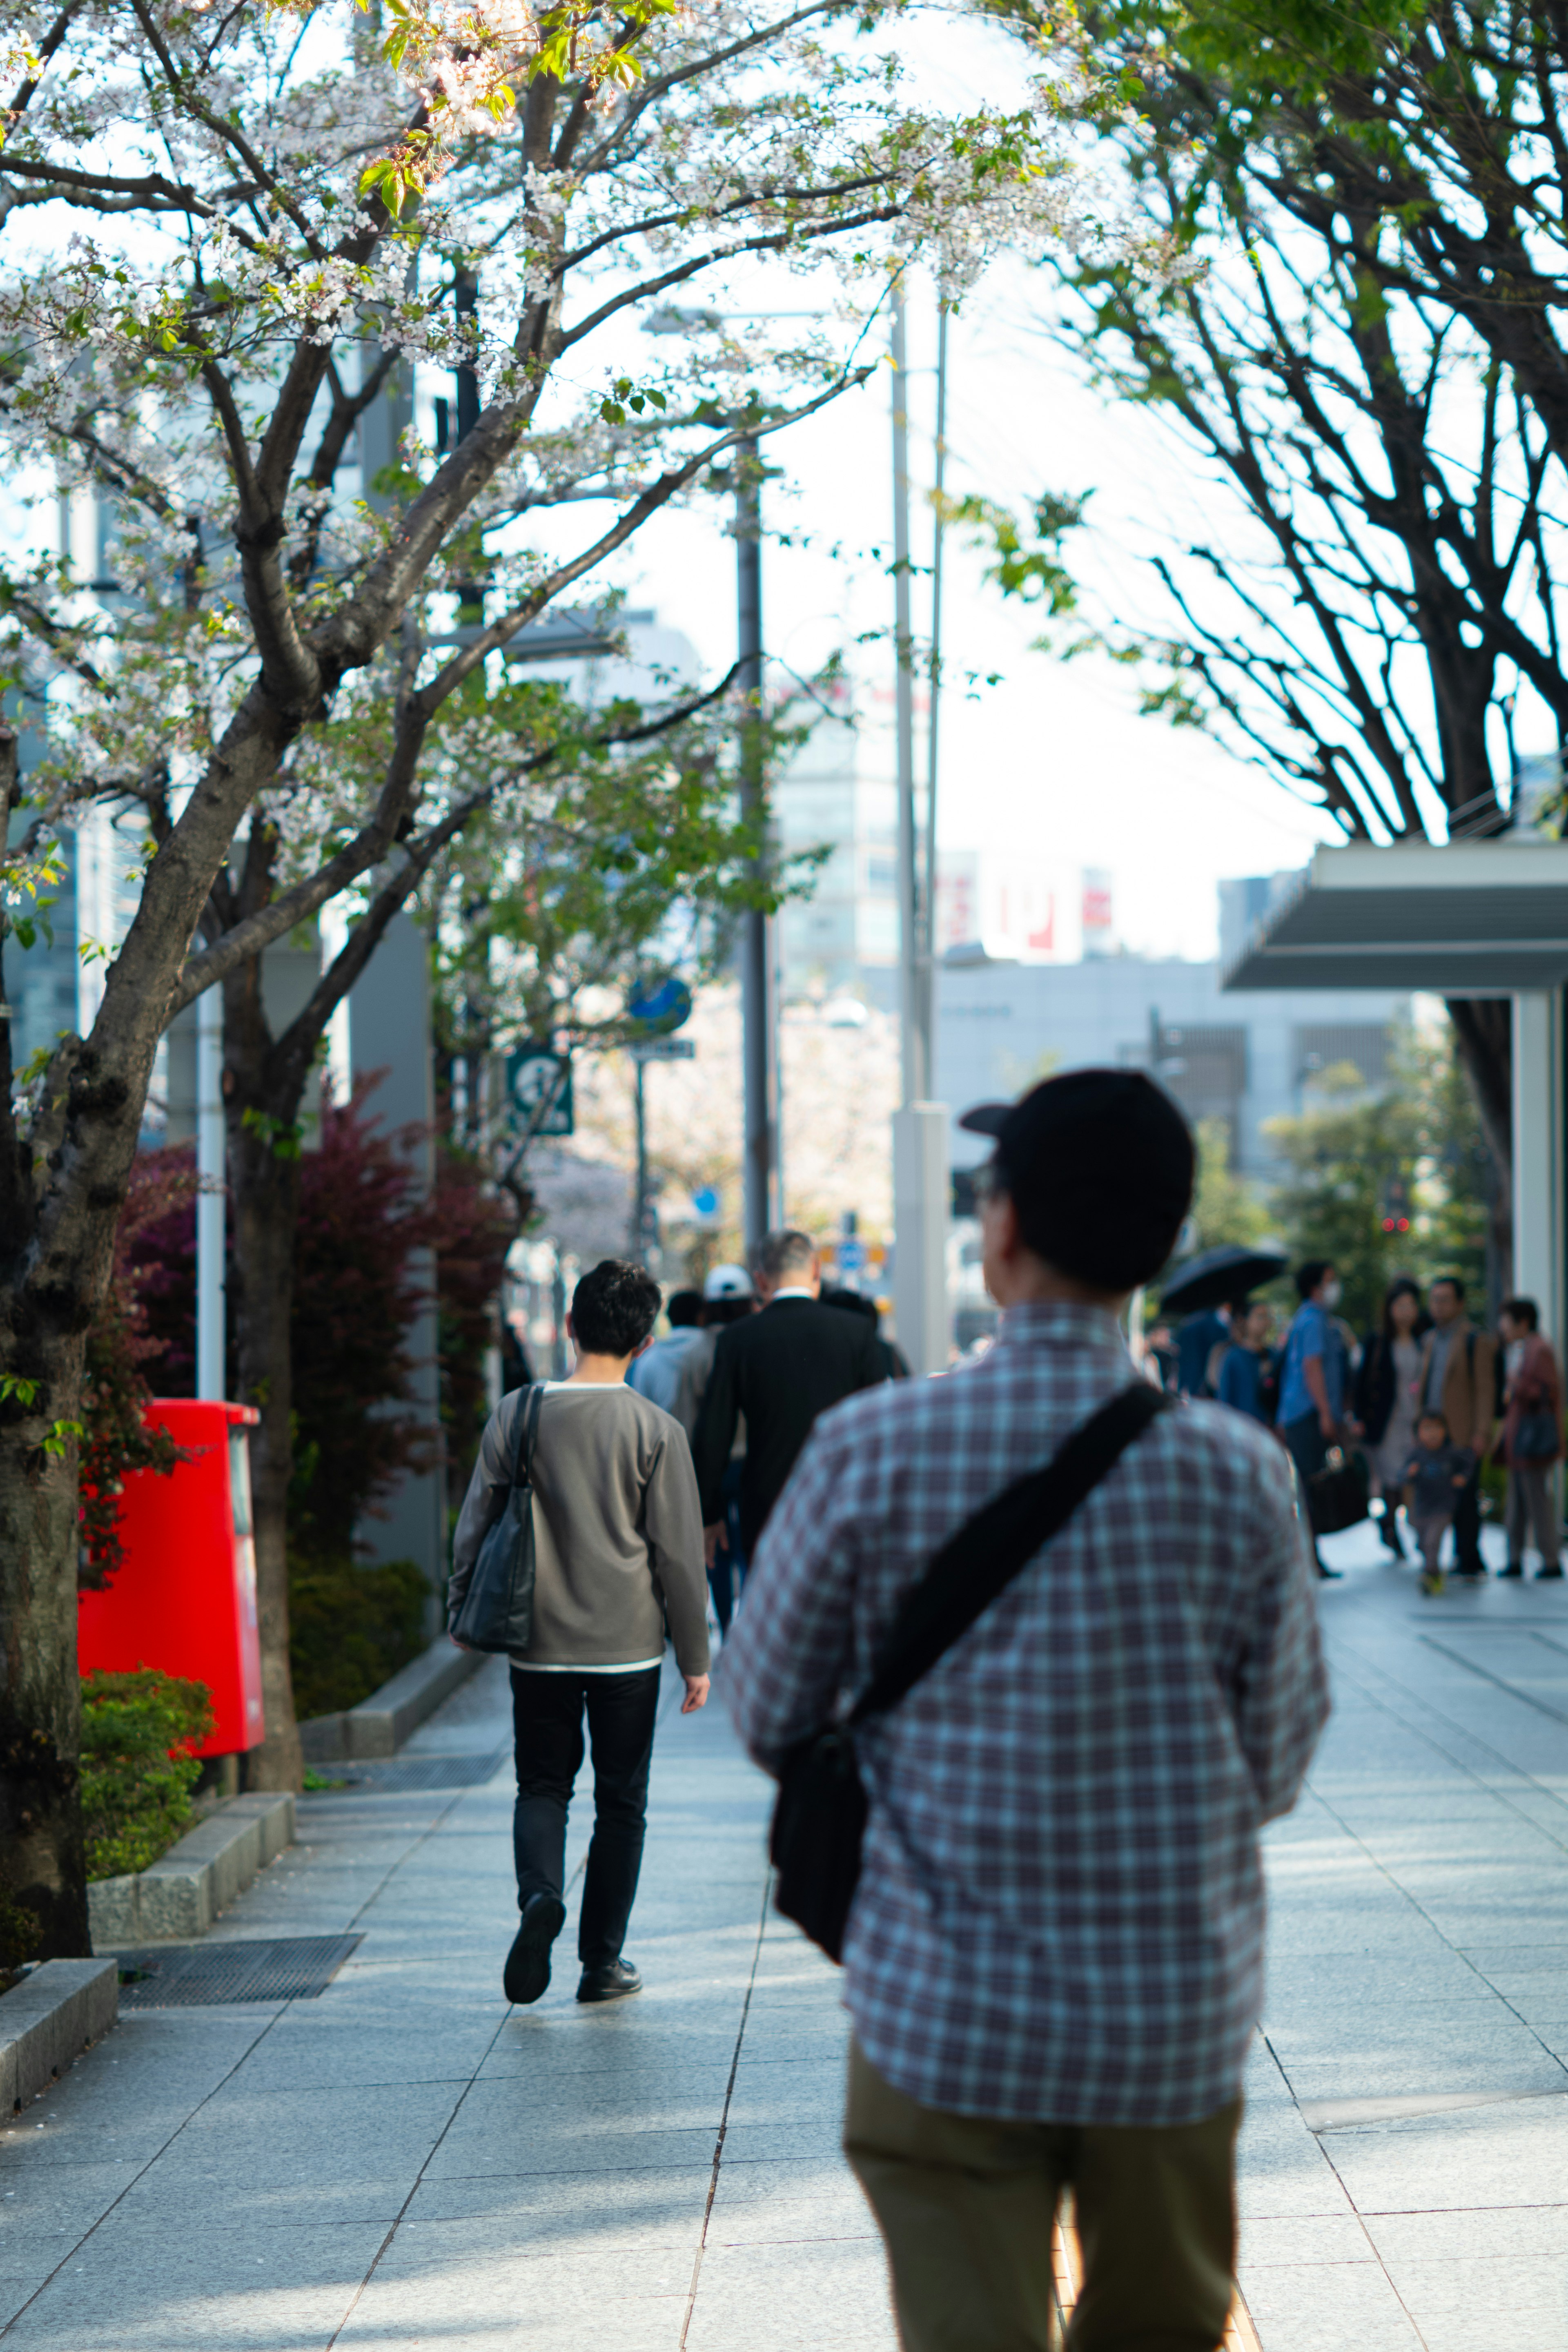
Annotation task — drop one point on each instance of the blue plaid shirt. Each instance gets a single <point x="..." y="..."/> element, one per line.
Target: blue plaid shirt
<point x="1061" y="1912"/>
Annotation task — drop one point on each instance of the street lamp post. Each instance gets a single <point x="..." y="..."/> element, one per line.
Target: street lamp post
<point x="920" y="1179"/>
<point x="211" y="1153"/>
<point x="763" y="1188"/>
<point x="762" y="1175"/>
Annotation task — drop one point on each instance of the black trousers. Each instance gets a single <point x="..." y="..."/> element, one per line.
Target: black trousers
<point x="1468" y="1523"/>
<point x="728" y="1574"/>
<point x="547" y="1718"/>
<point x="1309" y="1450"/>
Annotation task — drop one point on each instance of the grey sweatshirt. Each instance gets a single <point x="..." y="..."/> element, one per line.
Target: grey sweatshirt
<point x="617" y="1537"/>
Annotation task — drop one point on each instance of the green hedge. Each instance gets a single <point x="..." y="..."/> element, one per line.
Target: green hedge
<point x="350" y="1628"/>
<point x="137" y="1769"/>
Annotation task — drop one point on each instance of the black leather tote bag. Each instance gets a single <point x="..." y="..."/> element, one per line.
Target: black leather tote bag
<point x="1339" y="1495"/>
<point x="496" y="1613"/>
<point x="820" y="1814"/>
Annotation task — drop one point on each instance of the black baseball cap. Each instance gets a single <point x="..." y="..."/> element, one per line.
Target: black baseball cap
<point x="1099" y="1165"/>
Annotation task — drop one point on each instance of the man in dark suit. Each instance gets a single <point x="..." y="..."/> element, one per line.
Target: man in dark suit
<point x="780" y="1369"/>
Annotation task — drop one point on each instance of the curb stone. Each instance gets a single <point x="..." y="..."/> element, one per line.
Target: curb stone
<point x="182" y="1893"/>
<point x="379" y="1724"/>
<point x="48" y="2020"/>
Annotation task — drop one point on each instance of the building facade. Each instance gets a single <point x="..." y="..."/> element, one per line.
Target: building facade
<point x="1001" y="1026"/>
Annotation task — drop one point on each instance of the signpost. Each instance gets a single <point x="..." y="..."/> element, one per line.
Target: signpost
<point x="644" y="1233"/>
<point x="663" y="1049"/>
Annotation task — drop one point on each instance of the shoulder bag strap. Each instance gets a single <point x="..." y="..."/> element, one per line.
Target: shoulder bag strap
<point x="525" y="1429"/>
<point x="988" y="1550"/>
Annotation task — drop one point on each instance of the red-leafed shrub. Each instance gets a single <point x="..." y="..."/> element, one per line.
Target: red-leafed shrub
<point x="120" y="1347"/>
<point x="474" y="1229"/>
<point x="362" y="1232"/>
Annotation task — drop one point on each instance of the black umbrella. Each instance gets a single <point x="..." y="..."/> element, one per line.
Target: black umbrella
<point x="1222" y="1275"/>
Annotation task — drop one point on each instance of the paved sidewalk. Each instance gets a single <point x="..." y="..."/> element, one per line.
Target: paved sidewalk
<point x="1405" y="2177"/>
<point x="405" y="2162"/>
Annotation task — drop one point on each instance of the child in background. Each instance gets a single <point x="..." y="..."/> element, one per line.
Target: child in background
<point x="1434" y="1476"/>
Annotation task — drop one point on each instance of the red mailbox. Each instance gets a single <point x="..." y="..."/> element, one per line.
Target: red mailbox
<point x="185" y="1600"/>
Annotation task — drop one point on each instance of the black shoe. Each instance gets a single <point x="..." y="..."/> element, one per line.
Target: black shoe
<point x="1471" y="1567"/>
<point x="611" y="1982"/>
<point x="1388" y="1528"/>
<point x="1514" y="1568"/>
<point x="1550" y="1575"/>
<point x="526" y="1972"/>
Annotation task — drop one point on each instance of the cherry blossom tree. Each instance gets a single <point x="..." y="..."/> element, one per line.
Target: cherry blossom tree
<point x="228" y="231"/>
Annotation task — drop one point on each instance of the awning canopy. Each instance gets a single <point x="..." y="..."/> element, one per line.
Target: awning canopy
<point x="1472" y="919"/>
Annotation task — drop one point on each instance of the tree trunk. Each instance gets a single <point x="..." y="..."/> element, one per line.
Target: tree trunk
<point x="264" y="1182"/>
<point x="44" y="1868"/>
<point x="1483" y="1031"/>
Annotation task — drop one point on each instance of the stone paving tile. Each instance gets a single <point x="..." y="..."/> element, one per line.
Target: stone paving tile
<point x="18" y="2286"/>
<point x="1457" y="2162"/>
<point x="461" y="2275"/>
<point x="563" y="2211"/>
<point x="793" y="2298"/>
<point x="1328" y="2307"/>
<point x="1515" y="2304"/>
<point x="229" y="2291"/>
<point x="1268" y="2240"/>
<point x="163" y="2199"/>
<point x="1498" y="2233"/>
<point x="53" y="2146"/>
<point x="53" y="2201"/>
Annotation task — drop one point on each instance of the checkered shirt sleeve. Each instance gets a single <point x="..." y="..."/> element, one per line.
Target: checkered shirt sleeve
<point x="1061" y="1911"/>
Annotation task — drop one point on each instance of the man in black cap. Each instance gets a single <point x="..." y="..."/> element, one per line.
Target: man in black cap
<point x="1054" y="1953"/>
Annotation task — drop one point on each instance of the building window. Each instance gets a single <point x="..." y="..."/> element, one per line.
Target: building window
<point x="1367" y="1045"/>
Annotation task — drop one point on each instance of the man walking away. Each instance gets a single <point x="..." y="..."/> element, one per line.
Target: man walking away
<point x="1458" y="1380"/>
<point x="780" y="1369"/>
<point x="1055" y="1956"/>
<point x="727" y="1298"/>
<point x="673" y="1372"/>
<point x="1313" y="1380"/>
<point x="618" y="1552"/>
<point x="1532" y="1437"/>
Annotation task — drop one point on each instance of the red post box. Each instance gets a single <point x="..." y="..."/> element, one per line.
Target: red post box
<point x="185" y="1600"/>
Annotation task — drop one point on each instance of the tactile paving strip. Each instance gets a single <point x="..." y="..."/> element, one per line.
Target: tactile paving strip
<point x="401" y="1775"/>
<point x="198" y="1976"/>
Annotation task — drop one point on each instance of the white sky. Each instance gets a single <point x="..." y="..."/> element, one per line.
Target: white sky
<point x="1052" y="765"/>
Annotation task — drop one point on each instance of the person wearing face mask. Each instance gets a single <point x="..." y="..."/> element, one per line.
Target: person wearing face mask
<point x="1313" y="1379"/>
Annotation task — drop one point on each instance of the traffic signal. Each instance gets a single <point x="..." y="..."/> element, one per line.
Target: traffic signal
<point x="1395" y="1205"/>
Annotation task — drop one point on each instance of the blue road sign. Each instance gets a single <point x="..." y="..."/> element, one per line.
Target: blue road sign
<point x="660" y="1005"/>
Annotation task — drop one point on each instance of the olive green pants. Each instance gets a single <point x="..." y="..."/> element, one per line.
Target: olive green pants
<point x="966" y="2206"/>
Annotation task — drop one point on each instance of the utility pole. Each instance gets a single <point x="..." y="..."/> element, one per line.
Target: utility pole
<point x="928" y="930"/>
<point x="920" y="1180"/>
<point x="640" y="1204"/>
<point x="912" y="1043"/>
<point x="211" y="1318"/>
<point x="764" y="1209"/>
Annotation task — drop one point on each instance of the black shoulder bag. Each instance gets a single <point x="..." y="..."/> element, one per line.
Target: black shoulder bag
<point x="819" y="1818"/>
<point x="496" y="1613"/>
